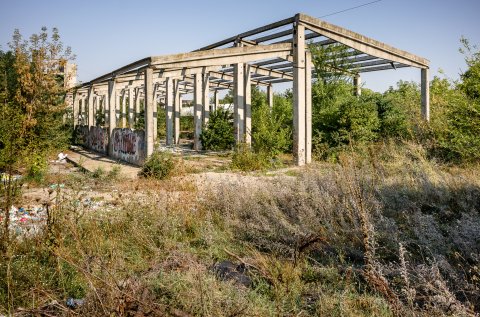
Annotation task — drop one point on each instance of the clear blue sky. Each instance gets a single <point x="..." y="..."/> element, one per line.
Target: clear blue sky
<point x="107" y="34"/>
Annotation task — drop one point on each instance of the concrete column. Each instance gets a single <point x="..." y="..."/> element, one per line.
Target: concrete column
<point x="131" y="108"/>
<point x="97" y="106"/>
<point x="217" y="100"/>
<point x="239" y="102"/>
<point x="155" y="113"/>
<point x="270" y="96"/>
<point x="149" y="110"/>
<point x="118" y="107"/>
<point x="112" y="122"/>
<point x="308" y="107"/>
<point x="299" y="92"/>
<point x="137" y="104"/>
<point x="425" y="87"/>
<point x="248" y="105"/>
<point x="76" y="106"/>
<point x="197" y="110"/>
<point x="106" y="110"/>
<point x="357" y="84"/>
<point x="177" y="108"/>
<point x="169" y="106"/>
<point x="91" y="117"/>
<point x="206" y="98"/>
<point x="81" y="111"/>
<point x="124" y="109"/>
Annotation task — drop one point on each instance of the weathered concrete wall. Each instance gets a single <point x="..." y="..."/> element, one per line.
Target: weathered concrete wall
<point x="129" y="145"/>
<point x="81" y="135"/>
<point x="95" y="138"/>
<point x="98" y="140"/>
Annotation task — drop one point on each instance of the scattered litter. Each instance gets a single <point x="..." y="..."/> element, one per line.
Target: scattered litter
<point x="5" y="177"/>
<point x="62" y="158"/>
<point x="73" y="303"/>
<point x="55" y="186"/>
<point x="26" y="221"/>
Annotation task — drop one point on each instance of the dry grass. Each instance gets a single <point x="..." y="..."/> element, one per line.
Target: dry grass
<point x="380" y="234"/>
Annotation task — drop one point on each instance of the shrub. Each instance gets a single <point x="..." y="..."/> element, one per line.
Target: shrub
<point x="99" y="172"/>
<point x="271" y="128"/>
<point x="245" y="159"/>
<point x="218" y="134"/>
<point x="160" y="165"/>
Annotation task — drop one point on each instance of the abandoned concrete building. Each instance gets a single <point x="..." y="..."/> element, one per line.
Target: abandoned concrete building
<point x="265" y="56"/>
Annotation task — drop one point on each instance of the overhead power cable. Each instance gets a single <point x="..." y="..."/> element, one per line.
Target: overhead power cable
<point x="352" y="8"/>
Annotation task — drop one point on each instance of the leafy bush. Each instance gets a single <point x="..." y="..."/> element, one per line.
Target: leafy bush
<point x="271" y="128"/>
<point x="218" y="134"/>
<point x="244" y="159"/>
<point x="159" y="165"/>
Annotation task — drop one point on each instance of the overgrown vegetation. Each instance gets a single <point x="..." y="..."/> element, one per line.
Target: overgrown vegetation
<point x="383" y="227"/>
<point x="32" y="108"/>
<point x="159" y="165"/>
<point x="341" y="120"/>
<point x="385" y="234"/>
<point x="218" y="133"/>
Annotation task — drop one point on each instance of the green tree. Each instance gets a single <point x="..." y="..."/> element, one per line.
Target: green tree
<point x="271" y="128"/>
<point x="471" y="77"/>
<point x="32" y="105"/>
<point x="218" y="133"/>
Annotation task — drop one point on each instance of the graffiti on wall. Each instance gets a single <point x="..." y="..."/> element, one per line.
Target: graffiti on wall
<point x="129" y="145"/>
<point x="98" y="139"/>
<point x="81" y="135"/>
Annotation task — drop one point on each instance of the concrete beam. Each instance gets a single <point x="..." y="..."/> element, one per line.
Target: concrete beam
<point x="220" y="57"/>
<point x="361" y="43"/>
<point x="230" y="77"/>
<point x="265" y="28"/>
<point x="386" y="67"/>
<point x="270" y="72"/>
<point x="138" y="64"/>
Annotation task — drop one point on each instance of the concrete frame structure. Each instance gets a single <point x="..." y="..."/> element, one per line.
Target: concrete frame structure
<point x="274" y="53"/>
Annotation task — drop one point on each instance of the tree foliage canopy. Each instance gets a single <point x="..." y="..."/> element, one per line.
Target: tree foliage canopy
<point x="32" y="99"/>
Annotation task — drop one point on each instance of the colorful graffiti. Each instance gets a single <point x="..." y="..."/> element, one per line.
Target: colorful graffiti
<point x="81" y="135"/>
<point x="125" y="142"/>
<point x="128" y="145"/>
<point x="98" y="139"/>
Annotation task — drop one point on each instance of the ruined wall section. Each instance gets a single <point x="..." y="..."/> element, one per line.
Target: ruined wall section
<point x="128" y="144"/>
